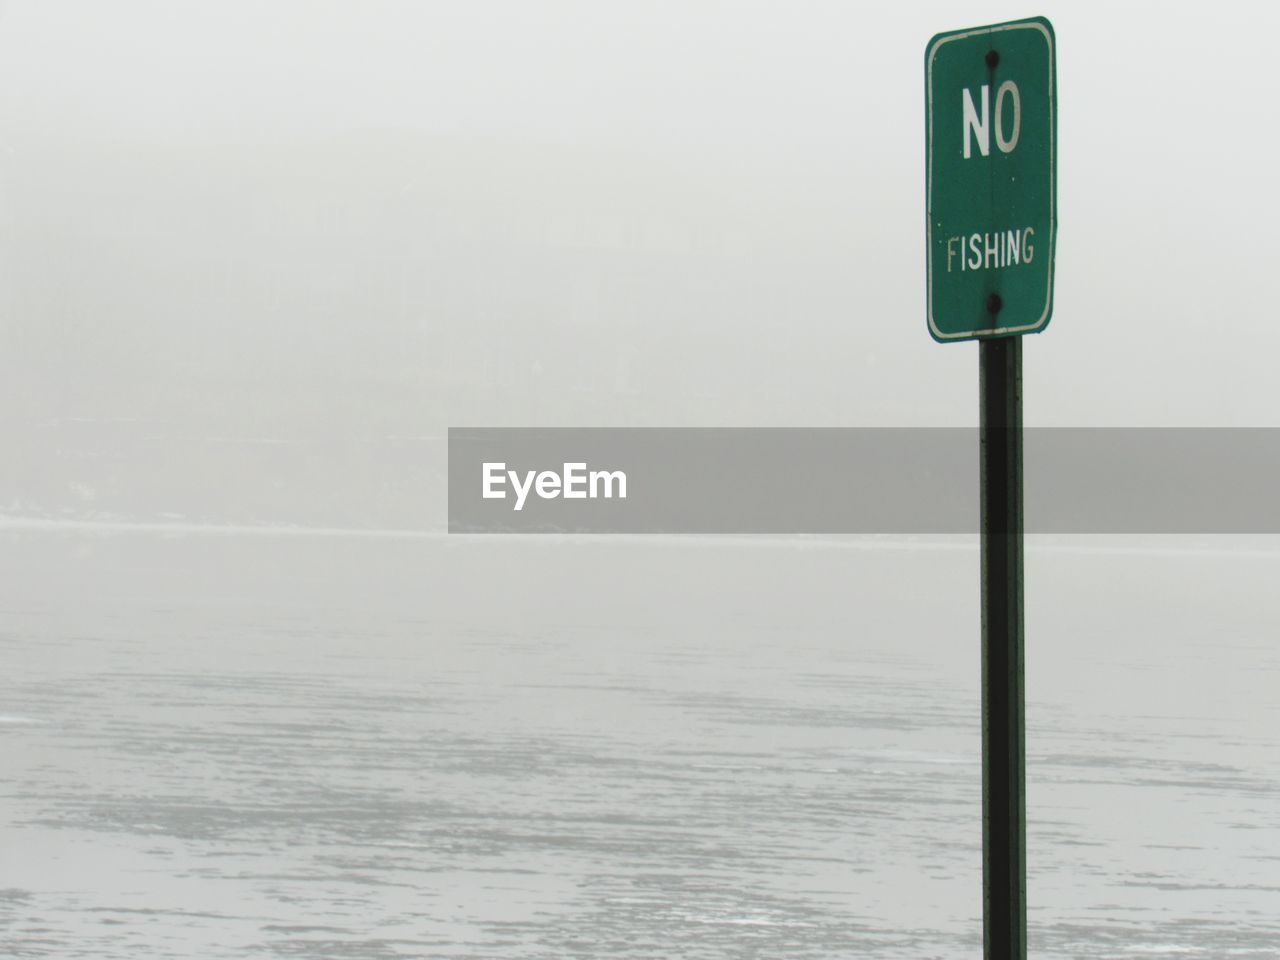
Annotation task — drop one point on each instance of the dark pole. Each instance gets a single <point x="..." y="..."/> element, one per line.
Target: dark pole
<point x="1004" y="818"/>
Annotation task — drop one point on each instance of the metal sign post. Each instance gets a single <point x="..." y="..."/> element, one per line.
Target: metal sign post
<point x="1004" y="818"/>
<point x="991" y="157"/>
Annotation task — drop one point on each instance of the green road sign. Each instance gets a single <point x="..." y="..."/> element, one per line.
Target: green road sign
<point x="991" y="161"/>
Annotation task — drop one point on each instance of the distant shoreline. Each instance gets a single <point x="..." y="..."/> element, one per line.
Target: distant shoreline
<point x="1262" y="546"/>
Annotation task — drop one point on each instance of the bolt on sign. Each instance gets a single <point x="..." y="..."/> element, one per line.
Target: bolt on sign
<point x="991" y="166"/>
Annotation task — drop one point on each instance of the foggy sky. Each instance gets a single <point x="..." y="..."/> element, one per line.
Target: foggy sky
<point x="331" y="224"/>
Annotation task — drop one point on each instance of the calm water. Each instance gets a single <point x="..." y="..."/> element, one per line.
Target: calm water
<point x="235" y="746"/>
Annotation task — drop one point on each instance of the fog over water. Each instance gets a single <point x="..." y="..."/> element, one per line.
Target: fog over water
<point x="256" y="259"/>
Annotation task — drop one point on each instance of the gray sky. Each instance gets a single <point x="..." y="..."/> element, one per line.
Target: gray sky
<point x="301" y="219"/>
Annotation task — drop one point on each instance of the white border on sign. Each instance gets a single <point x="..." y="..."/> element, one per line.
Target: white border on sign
<point x="1053" y="148"/>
